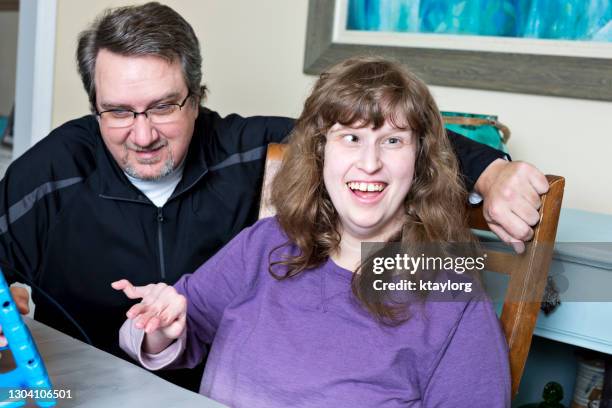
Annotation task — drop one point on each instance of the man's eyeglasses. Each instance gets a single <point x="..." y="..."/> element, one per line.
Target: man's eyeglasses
<point x="158" y="114"/>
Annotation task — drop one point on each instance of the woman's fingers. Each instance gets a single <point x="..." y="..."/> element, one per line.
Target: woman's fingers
<point x="161" y="307"/>
<point x="143" y="319"/>
<point x="153" y="292"/>
<point x="131" y="291"/>
<point x="152" y="325"/>
<point x="175" y="329"/>
<point x="136" y="310"/>
<point x="170" y="307"/>
<point x="175" y="304"/>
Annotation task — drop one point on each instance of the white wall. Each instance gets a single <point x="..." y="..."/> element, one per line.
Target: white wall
<point x="8" y="59"/>
<point x="253" y="56"/>
<point x="252" y="51"/>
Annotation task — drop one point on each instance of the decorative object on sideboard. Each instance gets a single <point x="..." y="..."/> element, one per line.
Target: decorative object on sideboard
<point x="589" y="382"/>
<point x="485" y="129"/>
<point x="552" y="396"/>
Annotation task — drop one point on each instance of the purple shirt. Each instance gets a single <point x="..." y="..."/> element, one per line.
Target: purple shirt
<point x="305" y="342"/>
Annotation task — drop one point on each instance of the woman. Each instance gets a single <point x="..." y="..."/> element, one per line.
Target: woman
<point x="286" y="309"/>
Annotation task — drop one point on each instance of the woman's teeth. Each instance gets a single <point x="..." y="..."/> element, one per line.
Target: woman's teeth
<point x="353" y="185"/>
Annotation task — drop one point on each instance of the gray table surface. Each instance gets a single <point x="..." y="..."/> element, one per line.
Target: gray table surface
<point x="99" y="379"/>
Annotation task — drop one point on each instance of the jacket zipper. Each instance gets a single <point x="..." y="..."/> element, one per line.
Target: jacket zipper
<point x="160" y="242"/>
<point x="160" y="220"/>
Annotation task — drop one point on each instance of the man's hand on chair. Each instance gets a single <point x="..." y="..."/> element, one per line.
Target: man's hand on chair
<point x="511" y="193"/>
<point x="22" y="299"/>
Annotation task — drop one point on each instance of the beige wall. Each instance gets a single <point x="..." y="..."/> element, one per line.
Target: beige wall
<point x="253" y="55"/>
<point x="8" y="59"/>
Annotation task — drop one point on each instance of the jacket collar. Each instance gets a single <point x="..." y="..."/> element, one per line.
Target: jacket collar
<point x="114" y="184"/>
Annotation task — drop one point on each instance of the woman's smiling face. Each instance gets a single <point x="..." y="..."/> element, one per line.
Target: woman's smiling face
<point x="368" y="173"/>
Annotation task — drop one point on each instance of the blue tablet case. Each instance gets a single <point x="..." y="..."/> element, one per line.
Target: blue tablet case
<point x="29" y="378"/>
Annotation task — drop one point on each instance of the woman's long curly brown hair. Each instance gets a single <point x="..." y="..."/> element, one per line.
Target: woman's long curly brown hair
<point x="367" y="91"/>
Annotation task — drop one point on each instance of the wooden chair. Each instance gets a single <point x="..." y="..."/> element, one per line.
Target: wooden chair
<point x="528" y="271"/>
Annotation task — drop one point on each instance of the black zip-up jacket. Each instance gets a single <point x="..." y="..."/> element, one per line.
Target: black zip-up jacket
<point x="71" y="222"/>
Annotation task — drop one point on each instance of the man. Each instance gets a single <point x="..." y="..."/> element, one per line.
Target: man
<point x="151" y="185"/>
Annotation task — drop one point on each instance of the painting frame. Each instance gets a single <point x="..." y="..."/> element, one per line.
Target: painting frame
<point x="538" y="74"/>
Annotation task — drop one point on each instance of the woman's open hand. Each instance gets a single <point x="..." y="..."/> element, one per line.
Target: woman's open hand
<point x="161" y="308"/>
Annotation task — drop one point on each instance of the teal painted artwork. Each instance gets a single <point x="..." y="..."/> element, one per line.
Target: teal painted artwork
<point x="576" y="20"/>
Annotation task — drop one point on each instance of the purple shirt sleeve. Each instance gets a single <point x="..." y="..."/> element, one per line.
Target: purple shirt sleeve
<point x="131" y="338"/>
<point x="472" y="361"/>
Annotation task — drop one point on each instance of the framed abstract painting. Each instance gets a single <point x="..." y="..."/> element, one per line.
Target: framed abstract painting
<point x="524" y="46"/>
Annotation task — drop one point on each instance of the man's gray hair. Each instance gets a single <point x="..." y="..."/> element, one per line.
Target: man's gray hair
<point x="148" y="29"/>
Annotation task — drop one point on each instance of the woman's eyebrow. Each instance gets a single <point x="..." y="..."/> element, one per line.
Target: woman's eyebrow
<point x="344" y="128"/>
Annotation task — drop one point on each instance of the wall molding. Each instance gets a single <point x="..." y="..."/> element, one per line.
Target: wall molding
<point x="35" y="73"/>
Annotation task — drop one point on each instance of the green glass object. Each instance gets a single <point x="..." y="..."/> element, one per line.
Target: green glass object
<point x="484" y="129"/>
<point x="552" y="395"/>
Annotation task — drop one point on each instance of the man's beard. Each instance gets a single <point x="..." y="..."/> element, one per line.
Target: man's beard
<point x="166" y="169"/>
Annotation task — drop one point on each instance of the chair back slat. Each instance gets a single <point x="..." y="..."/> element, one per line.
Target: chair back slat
<point x="501" y="262"/>
<point x="528" y="277"/>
